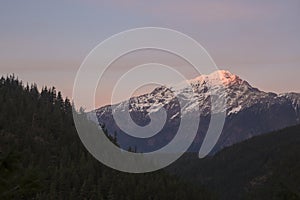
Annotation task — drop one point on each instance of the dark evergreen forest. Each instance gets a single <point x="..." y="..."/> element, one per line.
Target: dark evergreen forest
<point x="42" y="157"/>
<point x="261" y="168"/>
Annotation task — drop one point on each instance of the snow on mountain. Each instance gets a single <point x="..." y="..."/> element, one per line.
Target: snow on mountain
<point x="249" y="110"/>
<point x="239" y="95"/>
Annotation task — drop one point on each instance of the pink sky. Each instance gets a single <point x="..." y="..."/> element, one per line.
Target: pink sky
<point x="45" y="42"/>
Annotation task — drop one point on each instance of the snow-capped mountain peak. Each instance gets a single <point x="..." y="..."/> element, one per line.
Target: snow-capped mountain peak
<point x="216" y="78"/>
<point x="234" y="89"/>
<point x="250" y="111"/>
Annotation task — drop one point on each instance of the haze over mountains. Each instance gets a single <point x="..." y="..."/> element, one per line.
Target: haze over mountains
<point x="249" y="111"/>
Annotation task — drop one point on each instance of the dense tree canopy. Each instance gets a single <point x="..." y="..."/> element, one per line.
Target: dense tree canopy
<point x="42" y="157"/>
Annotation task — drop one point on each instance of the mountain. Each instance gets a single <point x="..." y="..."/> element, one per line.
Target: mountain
<point x="263" y="167"/>
<point x="249" y="111"/>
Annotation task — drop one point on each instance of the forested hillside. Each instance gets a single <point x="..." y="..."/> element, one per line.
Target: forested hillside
<point x="264" y="167"/>
<point x="41" y="156"/>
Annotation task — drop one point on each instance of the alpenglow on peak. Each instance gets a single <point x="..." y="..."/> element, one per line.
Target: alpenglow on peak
<point x="217" y="77"/>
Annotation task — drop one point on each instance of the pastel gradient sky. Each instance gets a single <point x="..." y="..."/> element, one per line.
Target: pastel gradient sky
<point x="46" y="41"/>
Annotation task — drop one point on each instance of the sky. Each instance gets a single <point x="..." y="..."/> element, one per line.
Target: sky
<point x="46" y="41"/>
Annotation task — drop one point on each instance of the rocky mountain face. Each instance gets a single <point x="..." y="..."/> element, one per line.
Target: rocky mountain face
<point x="249" y="111"/>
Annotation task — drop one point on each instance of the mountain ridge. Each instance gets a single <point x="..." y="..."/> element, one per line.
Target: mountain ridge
<point x="249" y="111"/>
